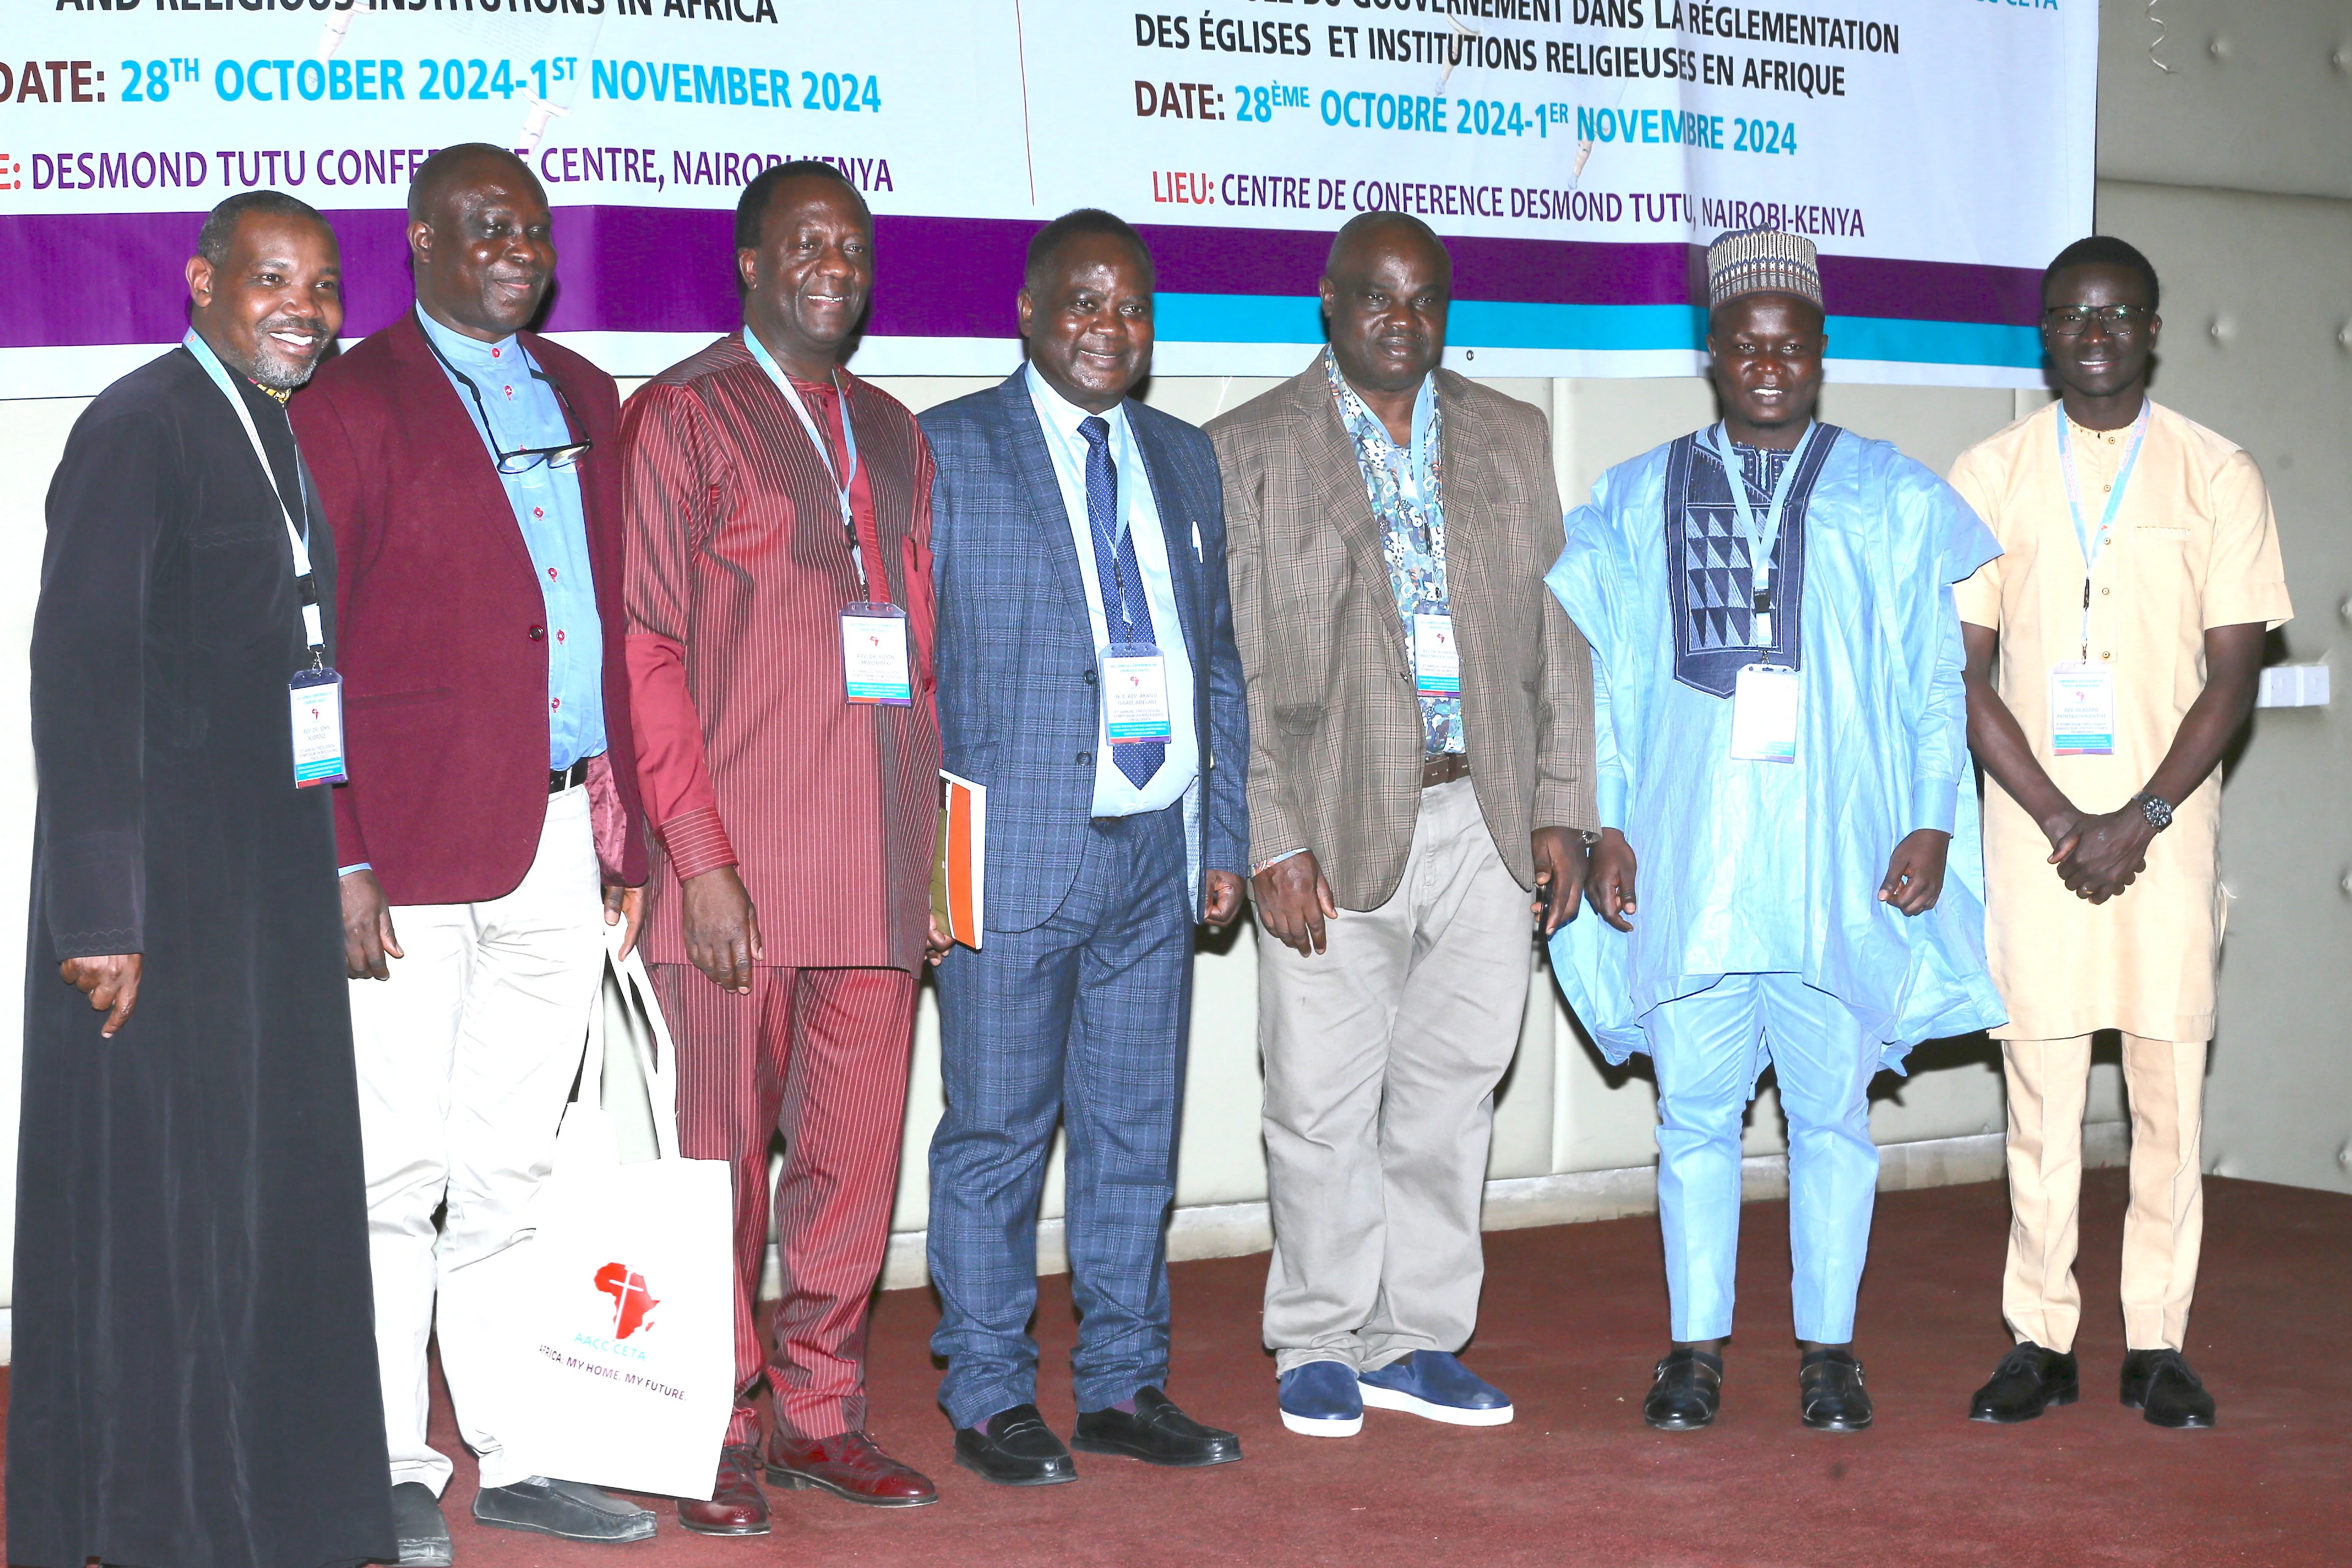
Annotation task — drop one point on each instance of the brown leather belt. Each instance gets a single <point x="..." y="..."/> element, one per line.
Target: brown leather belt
<point x="1443" y="768"/>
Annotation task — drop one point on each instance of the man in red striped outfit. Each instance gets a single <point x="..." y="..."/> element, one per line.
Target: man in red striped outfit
<point x="779" y="664"/>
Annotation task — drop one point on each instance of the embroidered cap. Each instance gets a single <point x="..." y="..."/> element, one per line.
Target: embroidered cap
<point x="1762" y="261"/>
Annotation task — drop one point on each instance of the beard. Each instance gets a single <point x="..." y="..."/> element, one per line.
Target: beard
<point x="272" y="365"/>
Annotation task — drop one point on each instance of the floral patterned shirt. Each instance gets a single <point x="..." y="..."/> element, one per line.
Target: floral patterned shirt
<point x="1406" y="487"/>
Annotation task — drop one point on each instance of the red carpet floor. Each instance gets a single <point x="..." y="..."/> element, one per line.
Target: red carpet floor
<point x="1573" y="1317"/>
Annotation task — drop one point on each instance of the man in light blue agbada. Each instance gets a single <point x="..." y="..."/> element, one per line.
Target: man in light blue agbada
<point x="1783" y="764"/>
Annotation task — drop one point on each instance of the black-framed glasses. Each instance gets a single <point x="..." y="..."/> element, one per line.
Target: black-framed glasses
<point x="2073" y="320"/>
<point x="522" y="460"/>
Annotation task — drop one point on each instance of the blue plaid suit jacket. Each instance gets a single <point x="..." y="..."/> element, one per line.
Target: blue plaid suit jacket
<point x="1017" y="649"/>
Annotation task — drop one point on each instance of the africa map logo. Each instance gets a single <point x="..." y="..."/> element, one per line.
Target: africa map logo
<point x="632" y="1300"/>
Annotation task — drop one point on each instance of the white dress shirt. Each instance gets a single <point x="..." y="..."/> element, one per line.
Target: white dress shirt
<point x="1115" y="793"/>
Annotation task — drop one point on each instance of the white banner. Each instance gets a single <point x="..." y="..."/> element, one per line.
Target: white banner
<point x="1573" y="151"/>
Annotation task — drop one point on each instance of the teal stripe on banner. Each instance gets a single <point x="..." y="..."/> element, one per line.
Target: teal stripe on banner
<point x="1934" y="342"/>
<point x="1505" y="324"/>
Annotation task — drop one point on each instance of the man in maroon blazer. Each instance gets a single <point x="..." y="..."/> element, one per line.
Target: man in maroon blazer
<point x="473" y="477"/>
<point x="780" y="659"/>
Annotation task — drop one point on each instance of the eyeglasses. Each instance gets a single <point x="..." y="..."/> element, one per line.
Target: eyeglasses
<point x="2072" y="321"/>
<point x="522" y="460"/>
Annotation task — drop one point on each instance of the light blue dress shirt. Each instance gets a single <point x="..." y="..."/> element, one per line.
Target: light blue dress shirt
<point x="523" y="413"/>
<point x="1115" y="793"/>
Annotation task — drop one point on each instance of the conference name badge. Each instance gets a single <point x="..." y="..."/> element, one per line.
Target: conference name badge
<point x="2082" y="710"/>
<point x="874" y="655"/>
<point x="1764" y="715"/>
<point x="1436" y="660"/>
<point x="316" y="699"/>
<point x="1135" y="693"/>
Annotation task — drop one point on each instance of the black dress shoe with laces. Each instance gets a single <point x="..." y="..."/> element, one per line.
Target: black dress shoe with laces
<point x="1686" y="1391"/>
<point x="1155" y="1432"/>
<point x="1016" y="1448"/>
<point x="1830" y="1395"/>
<point x="2159" y="1384"/>
<point x="2028" y="1381"/>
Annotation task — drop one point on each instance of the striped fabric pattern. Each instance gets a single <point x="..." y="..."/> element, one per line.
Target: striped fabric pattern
<point x="738" y="572"/>
<point x="820" y="1056"/>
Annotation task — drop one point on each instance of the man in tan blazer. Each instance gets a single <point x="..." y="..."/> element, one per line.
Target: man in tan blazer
<point x="1420" y="760"/>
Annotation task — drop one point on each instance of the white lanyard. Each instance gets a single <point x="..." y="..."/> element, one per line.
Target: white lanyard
<point x="816" y="437"/>
<point x="2092" y="545"/>
<point x="302" y="578"/>
<point x="1760" y="541"/>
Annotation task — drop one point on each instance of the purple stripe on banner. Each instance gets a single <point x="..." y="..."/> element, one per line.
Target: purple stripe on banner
<point x="112" y="277"/>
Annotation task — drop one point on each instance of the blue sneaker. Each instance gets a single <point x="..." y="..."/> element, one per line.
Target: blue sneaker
<point x="1320" y="1399"/>
<point x="1437" y="1386"/>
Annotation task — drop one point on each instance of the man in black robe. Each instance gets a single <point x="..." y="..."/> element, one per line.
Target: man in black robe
<point x="194" y="1381"/>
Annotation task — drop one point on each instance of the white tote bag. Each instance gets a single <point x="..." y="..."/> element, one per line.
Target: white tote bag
<point x="625" y="1328"/>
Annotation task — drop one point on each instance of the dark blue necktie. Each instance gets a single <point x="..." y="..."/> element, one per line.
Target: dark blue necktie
<point x="1127" y="613"/>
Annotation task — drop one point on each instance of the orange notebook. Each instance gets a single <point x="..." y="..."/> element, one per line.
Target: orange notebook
<point x="959" y="866"/>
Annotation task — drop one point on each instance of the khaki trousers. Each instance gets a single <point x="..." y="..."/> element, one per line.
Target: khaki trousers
<point x="2048" y="1082"/>
<point x="1381" y="1057"/>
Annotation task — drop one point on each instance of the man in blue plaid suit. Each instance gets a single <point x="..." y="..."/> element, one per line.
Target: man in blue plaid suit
<point x="1089" y="679"/>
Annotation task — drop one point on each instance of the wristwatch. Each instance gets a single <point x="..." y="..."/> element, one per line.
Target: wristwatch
<point x="2157" y="809"/>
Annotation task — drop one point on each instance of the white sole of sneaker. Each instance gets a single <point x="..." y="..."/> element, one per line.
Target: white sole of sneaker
<point x="1312" y="1426"/>
<point x="1379" y="1398"/>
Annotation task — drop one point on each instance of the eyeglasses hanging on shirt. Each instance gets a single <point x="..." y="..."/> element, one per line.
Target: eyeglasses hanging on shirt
<point x="522" y="460"/>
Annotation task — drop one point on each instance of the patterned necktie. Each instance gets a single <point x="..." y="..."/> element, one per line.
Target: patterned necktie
<point x="1127" y="613"/>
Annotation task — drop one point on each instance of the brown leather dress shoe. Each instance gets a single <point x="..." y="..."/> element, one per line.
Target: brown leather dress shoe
<point x="737" y="1505"/>
<point x="848" y="1465"/>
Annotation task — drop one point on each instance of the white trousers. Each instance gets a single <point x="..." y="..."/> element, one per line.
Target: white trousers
<point x="467" y="1056"/>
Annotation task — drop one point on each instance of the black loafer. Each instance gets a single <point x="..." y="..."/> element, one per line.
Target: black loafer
<point x="566" y="1509"/>
<point x="2028" y="1381"/>
<point x="1155" y="1432"/>
<point x="418" y="1527"/>
<point x="1686" y="1391"/>
<point x="1016" y="1448"/>
<point x="1830" y="1395"/>
<point x="2159" y="1384"/>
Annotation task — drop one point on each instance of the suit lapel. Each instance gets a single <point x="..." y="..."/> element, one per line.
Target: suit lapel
<point x="1467" y="547"/>
<point x="1033" y="468"/>
<point x="445" y="426"/>
<point x="1331" y="457"/>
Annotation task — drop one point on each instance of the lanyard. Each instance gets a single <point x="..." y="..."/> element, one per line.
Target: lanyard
<point x="1415" y="473"/>
<point x="843" y="484"/>
<point x="304" y="582"/>
<point x="1760" y="541"/>
<point x="2094" y="545"/>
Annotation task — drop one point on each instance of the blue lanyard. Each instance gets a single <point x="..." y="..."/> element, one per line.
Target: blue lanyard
<point x="2092" y="546"/>
<point x="1716" y="442"/>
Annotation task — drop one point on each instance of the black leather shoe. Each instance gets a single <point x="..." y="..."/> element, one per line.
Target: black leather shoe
<point x="1155" y="1432"/>
<point x="1686" y="1391"/>
<point x="1830" y="1395"/>
<point x="418" y="1527"/>
<point x="1016" y="1448"/>
<point x="2028" y="1381"/>
<point x="2159" y="1384"/>
<point x="563" y="1509"/>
